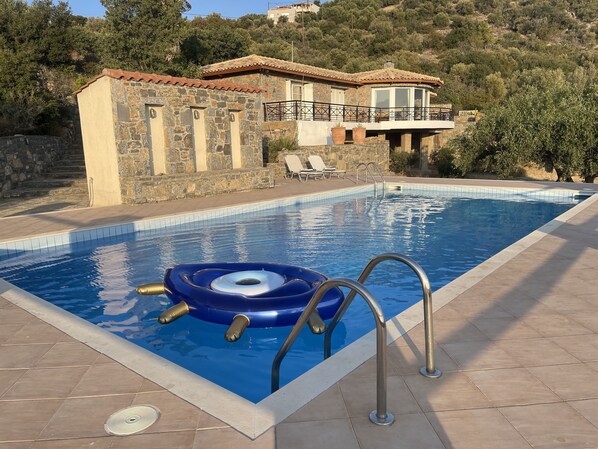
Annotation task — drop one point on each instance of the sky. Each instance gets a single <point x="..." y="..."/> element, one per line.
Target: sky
<point x="226" y="8"/>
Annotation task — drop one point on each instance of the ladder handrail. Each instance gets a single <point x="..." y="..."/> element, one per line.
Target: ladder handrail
<point x="429" y="370"/>
<point x="367" y="171"/>
<point x="380" y="415"/>
<point x="378" y="171"/>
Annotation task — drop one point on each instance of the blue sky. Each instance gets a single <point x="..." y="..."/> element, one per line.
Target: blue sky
<point x="226" y="8"/>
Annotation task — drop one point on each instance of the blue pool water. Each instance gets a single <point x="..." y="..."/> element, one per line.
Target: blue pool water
<point x="446" y="235"/>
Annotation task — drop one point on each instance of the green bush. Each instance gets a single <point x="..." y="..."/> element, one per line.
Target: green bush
<point x="274" y="146"/>
<point x="400" y="161"/>
<point x="444" y="159"/>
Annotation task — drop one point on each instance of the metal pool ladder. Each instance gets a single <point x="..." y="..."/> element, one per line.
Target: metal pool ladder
<point x="377" y="171"/>
<point x="379" y="416"/>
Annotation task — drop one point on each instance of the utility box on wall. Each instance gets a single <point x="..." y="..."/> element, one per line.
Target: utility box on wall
<point x="151" y="138"/>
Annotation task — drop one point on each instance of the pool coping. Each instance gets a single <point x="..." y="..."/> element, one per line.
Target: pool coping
<point x="254" y="419"/>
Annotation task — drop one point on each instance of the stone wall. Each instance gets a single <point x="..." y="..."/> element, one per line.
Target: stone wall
<point x="345" y="157"/>
<point x="26" y="157"/>
<point x="275" y="85"/>
<point x="130" y="100"/>
<point x="148" y="189"/>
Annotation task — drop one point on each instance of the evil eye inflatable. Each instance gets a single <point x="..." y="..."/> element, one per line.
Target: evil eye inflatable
<point x="242" y="295"/>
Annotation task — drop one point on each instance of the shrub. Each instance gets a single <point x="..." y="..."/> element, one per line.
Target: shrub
<point x="400" y="161"/>
<point x="444" y="159"/>
<point x="274" y="146"/>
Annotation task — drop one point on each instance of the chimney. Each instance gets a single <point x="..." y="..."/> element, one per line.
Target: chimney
<point x="389" y="65"/>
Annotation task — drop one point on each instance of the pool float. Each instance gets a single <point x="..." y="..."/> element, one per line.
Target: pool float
<point x="242" y="295"/>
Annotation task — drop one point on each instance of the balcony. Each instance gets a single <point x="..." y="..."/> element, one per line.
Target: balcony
<point x="328" y="112"/>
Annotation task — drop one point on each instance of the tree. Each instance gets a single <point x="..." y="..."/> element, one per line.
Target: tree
<point x="554" y="127"/>
<point x="143" y="34"/>
<point x="37" y="42"/>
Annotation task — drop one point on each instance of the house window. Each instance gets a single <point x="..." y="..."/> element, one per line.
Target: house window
<point x="337" y="96"/>
<point x="400" y="103"/>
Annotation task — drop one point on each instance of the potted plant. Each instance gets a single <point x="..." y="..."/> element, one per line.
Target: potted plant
<point x="338" y="134"/>
<point x="359" y="134"/>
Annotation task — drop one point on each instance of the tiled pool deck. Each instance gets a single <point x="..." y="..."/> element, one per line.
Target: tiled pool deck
<point x="519" y="352"/>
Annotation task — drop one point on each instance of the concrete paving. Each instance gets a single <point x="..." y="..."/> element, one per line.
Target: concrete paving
<point x="519" y="352"/>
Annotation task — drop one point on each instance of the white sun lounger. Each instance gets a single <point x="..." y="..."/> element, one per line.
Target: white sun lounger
<point x="295" y="168"/>
<point x="317" y="163"/>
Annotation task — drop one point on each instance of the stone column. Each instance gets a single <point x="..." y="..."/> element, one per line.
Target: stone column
<point x="406" y="142"/>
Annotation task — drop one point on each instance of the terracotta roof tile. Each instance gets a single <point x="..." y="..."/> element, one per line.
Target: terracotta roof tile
<point x="174" y="80"/>
<point x="391" y="74"/>
<point x="255" y="62"/>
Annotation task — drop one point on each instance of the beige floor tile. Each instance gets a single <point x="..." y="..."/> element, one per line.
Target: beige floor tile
<point x="565" y="304"/>
<point x="84" y="417"/>
<point x="452" y="391"/>
<point x="19" y="445"/>
<point x="21" y="356"/>
<point x="476" y="429"/>
<point x="231" y="439"/>
<point x="512" y="386"/>
<point x="15" y="315"/>
<point x="8" y="378"/>
<point x="68" y="354"/>
<point x="8" y="330"/>
<point x="36" y="332"/>
<point x="555" y="325"/>
<point x="583" y="347"/>
<point x="78" y="443"/>
<point x="46" y="383"/>
<point x="471" y="306"/>
<point x="328" y="405"/>
<point x="504" y="328"/>
<point x="407" y="432"/>
<point x="24" y="420"/>
<point x="147" y="386"/>
<point x="108" y="378"/>
<point x="175" y="414"/>
<point x="552" y="426"/>
<point x="169" y="440"/>
<point x="332" y="434"/>
<point x="587" y="319"/>
<point x="453" y="331"/>
<point x="525" y="308"/>
<point x="407" y="361"/>
<point x="588" y="408"/>
<point x="570" y="382"/>
<point x="368" y="370"/>
<point x="479" y="355"/>
<point x="360" y="396"/>
<point x="536" y="352"/>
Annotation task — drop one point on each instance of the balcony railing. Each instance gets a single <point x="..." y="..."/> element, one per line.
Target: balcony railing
<point x="329" y="112"/>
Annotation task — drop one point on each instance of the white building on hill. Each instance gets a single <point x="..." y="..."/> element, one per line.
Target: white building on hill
<point x="291" y="11"/>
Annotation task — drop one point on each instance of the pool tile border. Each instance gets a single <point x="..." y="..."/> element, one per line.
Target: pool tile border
<point x="254" y="419"/>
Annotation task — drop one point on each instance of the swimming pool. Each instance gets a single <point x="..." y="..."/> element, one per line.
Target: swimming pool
<point x="446" y="234"/>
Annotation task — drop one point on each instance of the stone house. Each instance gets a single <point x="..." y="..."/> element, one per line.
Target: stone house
<point x="290" y="12"/>
<point x="149" y="137"/>
<point x="388" y="102"/>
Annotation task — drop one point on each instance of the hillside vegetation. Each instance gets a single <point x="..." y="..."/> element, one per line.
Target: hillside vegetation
<point x="484" y="50"/>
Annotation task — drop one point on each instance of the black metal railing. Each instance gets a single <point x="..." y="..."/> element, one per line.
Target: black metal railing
<point x="329" y="112"/>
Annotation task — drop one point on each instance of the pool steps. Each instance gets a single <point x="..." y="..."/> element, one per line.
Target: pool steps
<point x="380" y="416"/>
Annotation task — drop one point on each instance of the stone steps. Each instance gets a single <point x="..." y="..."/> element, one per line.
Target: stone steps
<point x="55" y="182"/>
<point x="65" y="182"/>
<point x="67" y="174"/>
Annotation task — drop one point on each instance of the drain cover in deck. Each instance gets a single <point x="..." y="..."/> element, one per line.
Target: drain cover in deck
<point x="131" y="420"/>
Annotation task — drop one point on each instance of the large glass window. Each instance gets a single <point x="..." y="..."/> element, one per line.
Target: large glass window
<point x="401" y="98"/>
<point x="400" y="103"/>
<point x="382" y="98"/>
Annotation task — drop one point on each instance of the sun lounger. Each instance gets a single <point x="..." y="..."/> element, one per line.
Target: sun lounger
<point x="295" y="168"/>
<point x="318" y="164"/>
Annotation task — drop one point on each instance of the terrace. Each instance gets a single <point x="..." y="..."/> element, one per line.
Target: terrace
<point x="330" y="112"/>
